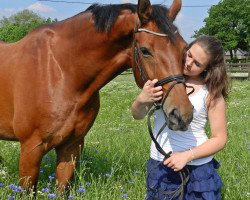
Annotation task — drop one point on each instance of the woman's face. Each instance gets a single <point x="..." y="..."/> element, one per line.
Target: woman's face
<point x="196" y="61"/>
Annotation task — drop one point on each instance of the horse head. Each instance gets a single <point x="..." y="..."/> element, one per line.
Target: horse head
<point x="158" y="51"/>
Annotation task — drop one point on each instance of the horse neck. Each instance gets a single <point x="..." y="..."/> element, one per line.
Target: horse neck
<point x="92" y="56"/>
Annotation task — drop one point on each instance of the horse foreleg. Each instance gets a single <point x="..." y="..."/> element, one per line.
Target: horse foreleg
<point x="68" y="153"/>
<point x="67" y="158"/>
<point x="29" y="163"/>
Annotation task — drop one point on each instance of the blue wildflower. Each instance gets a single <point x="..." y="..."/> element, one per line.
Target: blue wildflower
<point x="23" y="191"/>
<point x="52" y="196"/>
<point x="88" y="184"/>
<point x="71" y="197"/>
<point x="20" y="189"/>
<point x="45" y="190"/>
<point x="12" y="186"/>
<point x="51" y="178"/>
<point x="1" y="184"/>
<point x="11" y="197"/>
<point x="53" y="174"/>
<point x="41" y="170"/>
<point x="131" y="182"/>
<point x="125" y="196"/>
<point x="15" y="190"/>
<point x="107" y="175"/>
<point x="81" y="189"/>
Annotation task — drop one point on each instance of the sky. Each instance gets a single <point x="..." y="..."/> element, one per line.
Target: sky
<point x="188" y="20"/>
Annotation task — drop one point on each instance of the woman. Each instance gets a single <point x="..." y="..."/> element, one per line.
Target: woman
<point x="205" y="70"/>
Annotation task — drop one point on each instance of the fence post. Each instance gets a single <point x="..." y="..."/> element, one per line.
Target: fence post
<point x="248" y="66"/>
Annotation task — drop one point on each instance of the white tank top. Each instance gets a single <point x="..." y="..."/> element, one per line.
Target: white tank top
<point x="177" y="141"/>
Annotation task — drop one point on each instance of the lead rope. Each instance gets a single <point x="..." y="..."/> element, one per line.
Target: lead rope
<point x="184" y="177"/>
<point x="184" y="173"/>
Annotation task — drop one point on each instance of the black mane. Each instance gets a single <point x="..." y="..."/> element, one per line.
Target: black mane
<point x="106" y="15"/>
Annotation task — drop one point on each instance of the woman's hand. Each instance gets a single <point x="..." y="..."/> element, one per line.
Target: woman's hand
<point x="149" y="93"/>
<point x="146" y="98"/>
<point x="178" y="160"/>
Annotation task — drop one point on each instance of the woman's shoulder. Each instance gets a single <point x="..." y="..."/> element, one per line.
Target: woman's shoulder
<point x="217" y="102"/>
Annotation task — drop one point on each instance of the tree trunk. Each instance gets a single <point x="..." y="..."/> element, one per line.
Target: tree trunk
<point x="235" y="54"/>
<point x="231" y="54"/>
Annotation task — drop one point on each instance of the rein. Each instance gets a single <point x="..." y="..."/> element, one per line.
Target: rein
<point x="184" y="173"/>
<point x="174" y="79"/>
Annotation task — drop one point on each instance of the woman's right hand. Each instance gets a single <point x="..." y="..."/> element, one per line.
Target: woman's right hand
<point x="150" y="93"/>
<point x="146" y="98"/>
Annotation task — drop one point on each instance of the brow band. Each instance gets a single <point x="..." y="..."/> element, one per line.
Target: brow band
<point x="152" y="32"/>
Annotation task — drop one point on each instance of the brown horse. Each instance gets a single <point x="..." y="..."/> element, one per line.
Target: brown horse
<point x="50" y="80"/>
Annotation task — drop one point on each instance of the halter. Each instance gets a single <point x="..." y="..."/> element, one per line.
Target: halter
<point x="174" y="79"/>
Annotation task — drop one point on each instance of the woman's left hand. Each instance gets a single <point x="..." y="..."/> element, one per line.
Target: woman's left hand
<point x="177" y="160"/>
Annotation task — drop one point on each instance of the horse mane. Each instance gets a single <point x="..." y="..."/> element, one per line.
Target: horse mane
<point x="106" y="15"/>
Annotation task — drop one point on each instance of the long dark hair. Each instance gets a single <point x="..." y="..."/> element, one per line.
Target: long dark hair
<point x="215" y="76"/>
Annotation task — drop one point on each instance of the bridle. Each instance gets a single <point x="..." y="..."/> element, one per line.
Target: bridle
<point x="174" y="80"/>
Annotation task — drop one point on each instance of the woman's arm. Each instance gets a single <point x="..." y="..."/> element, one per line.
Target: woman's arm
<point x="145" y="99"/>
<point x="217" y="121"/>
<point x="217" y="141"/>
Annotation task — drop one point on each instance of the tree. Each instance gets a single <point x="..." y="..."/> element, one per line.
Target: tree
<point x="229" y="21"/>
<point x="18" y="25"/>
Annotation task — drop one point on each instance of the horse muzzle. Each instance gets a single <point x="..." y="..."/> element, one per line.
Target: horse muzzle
<point x="177" y="122"/>
<point x="179" y="113"/>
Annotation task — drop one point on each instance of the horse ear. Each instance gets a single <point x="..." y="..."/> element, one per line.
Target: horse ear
<point x="174" y="9"/>
<point x="144" y="10"/>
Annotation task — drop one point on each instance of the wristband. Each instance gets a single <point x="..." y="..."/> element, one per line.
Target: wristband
<point x="192" y="153"/>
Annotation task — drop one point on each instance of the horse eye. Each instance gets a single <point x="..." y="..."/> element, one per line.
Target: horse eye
<point x="145" y="52"/>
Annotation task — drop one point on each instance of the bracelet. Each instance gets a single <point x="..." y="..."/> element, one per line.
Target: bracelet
<point x="192" y="152"/>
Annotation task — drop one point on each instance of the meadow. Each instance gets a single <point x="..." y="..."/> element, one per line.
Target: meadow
<point x="112" y="165"/>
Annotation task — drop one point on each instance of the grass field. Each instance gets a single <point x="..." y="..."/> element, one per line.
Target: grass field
<point x="113" y="163"/>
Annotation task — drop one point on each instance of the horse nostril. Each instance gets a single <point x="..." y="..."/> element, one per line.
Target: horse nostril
<point x="176" y="121"/>
<point x="174" y="116"/>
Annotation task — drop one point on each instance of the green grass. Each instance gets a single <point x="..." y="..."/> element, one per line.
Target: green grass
<point x="117" y="148"/>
